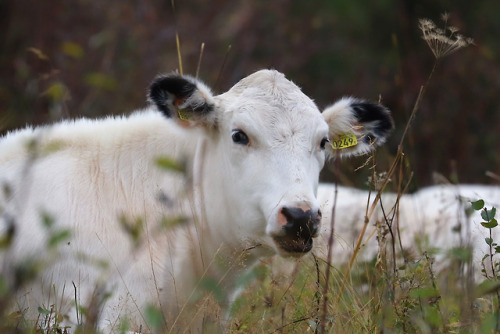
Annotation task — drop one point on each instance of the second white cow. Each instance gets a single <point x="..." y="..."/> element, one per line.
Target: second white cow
<point x="435" y="220"/>
<point x="252" y="157"/>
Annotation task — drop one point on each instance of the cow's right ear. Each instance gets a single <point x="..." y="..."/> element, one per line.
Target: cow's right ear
<point x="357" y="126"/>
<point x="183" y="98"/>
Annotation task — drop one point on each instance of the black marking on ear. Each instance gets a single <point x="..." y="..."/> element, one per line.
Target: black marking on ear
<point x="376" y="114"/>
<point x="170" y="90"/>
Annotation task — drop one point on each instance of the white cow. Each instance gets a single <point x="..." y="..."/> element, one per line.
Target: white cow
<point x="434" y="219"/>
<point x="252" y="156"/>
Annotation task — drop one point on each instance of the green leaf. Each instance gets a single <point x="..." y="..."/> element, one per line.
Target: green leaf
<point x="57" y="92"/>
<point x="47" y="220"/>
<point x="489" y="324"/>
<point x="170" y="164"/>
<point x="488" y="215"/>
<point x="210" y="285"/>
<point x="8" y="235"/>
<point x="72" y="49"/>
<point x="43" y="311"/>
<point x="124" y="326"/>
<point x="133" y="228"/>
<point x="489" y="241"/>
<point x="101" y="81"/>
<point x="486" y="287"/>
<point x="258" y="272"/>
<point x="154" y="317"/>
<point x="461" y="253"/>
<point x="492" y="223"/>
<point x="173" y="222"/>
<point x="58" y="237"/>
<point x="478" y="205"/>
<point x="426" y="292"/>
<point x="4" y="287"/>
<point x="53" y="146"/>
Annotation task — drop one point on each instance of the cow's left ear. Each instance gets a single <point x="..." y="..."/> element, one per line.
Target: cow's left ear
<point x="183" y="98"/>
<point x="357" y="126"/>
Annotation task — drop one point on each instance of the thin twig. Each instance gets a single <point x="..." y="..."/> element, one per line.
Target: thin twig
<point x="317" y="294"/>
<point x="78" y="320"/>
<point x="177" y="41"/>
<point x="492" y="175"/>
<point x="217" y="82"/>
<point x="202" y="48"/>
<point x="329" y="256"/>
<point x="388" y="223"/>
<point x="279" y="329"/>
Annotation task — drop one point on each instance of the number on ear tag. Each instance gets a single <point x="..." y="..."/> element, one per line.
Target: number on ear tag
<point x="344" y="141"/>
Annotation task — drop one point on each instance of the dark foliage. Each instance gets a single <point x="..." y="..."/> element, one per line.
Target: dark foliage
<point x="65" y="59"/>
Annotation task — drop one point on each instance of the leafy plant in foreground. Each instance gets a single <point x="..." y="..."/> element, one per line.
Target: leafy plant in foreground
<point x="490" y="270"/>
<point x="490" y="264"/>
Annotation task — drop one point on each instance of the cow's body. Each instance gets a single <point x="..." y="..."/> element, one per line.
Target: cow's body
<point x="97" y="175"/>
<point x="433" y="220"/>
<point x="252" y="158"/>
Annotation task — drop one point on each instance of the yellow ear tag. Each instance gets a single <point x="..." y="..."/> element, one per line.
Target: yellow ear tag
<point x="183" y="114"/>
<point x="344" y="141"/>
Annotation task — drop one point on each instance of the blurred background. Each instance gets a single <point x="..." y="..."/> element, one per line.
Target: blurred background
<point x="64" y="59"/>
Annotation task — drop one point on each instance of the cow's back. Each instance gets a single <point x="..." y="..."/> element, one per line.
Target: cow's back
<point x="97" y="180"/>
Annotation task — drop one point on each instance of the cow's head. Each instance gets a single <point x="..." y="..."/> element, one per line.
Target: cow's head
<point x="268" y="143"/>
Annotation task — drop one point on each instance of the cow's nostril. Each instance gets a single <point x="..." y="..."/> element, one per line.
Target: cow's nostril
<point x="301" y="223"/>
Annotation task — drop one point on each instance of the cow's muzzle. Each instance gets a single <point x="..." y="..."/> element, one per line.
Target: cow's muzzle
<point x="299" y="226"/>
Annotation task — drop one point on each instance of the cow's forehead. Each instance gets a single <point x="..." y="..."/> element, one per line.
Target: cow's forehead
<point x="267" y="99"/>
<point x="270" y="87"/>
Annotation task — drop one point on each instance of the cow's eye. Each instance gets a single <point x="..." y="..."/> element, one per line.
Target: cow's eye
<point x="240" y="137"/>
<point x="323" y="143"/>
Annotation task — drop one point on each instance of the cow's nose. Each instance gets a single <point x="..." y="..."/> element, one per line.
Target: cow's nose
<point x="302" y="223"/>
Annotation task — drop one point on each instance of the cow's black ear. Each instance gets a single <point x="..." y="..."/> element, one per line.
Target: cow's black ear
<point x="357" y="126"/>
<point x="182" y="97"/>
<point x="375" y="118"/>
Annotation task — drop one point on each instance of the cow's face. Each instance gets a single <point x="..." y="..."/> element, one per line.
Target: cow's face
<point x="269" y="142"/>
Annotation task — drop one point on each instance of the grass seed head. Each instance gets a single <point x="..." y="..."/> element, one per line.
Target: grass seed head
<point x="443" y="42"/>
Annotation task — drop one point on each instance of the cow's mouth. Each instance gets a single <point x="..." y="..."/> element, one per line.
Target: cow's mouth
<point x="294" y="245"/>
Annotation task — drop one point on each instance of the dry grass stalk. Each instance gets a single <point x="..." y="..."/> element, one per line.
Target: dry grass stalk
<point x="177" y="41"/>
<point x="441" y="45"/>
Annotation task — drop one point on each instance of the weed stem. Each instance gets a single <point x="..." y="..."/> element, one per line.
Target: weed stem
<point x="392" y="169"/>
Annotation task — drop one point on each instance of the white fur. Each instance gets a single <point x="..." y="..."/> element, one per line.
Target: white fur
<point x="432" y="219"/>
<point x="88" y="173"/>
<point x="340" y="116"/>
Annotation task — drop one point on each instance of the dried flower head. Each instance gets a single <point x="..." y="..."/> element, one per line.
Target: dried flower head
<point x="443" y="42"/>
<point x="379" y="180"/>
